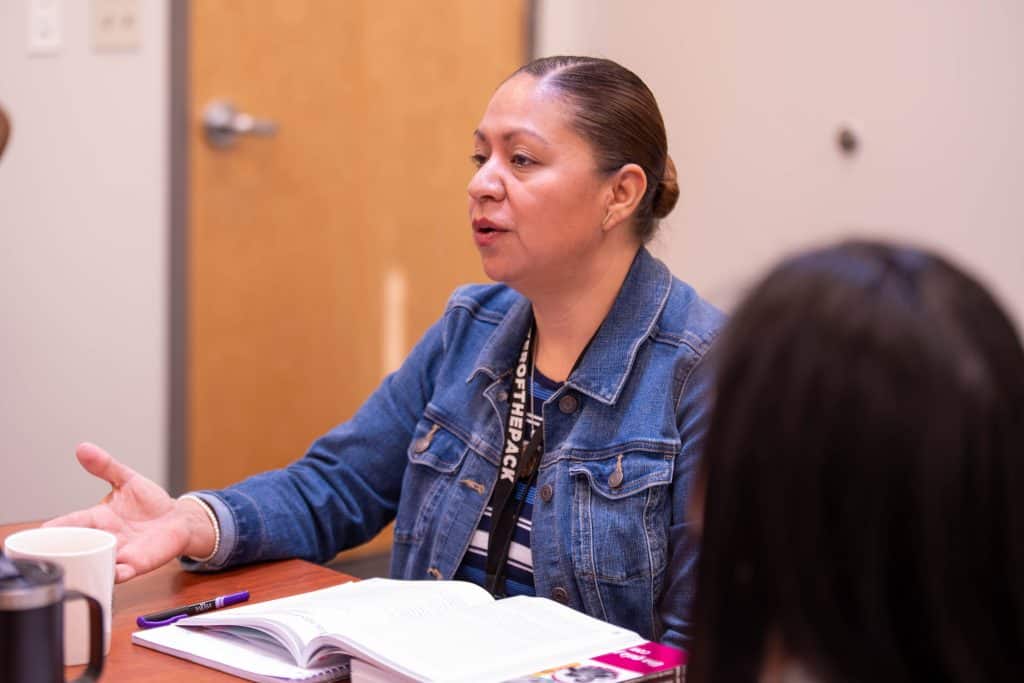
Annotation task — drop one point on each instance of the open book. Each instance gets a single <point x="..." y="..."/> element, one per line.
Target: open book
<point x="438" y="631"/>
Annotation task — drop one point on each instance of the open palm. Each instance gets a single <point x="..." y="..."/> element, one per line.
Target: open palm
<point x="149" y="527"/>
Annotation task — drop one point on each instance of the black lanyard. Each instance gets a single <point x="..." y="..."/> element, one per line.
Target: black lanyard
<point x="518" y="463"/>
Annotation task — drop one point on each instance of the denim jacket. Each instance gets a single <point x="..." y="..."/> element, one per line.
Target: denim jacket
<point x="622" y="436"/>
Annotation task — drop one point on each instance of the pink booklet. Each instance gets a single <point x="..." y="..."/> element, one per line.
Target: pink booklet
<point x="646" y="661"/>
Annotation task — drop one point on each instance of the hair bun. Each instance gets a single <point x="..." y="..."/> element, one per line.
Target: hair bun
<point x="667" y="193"/>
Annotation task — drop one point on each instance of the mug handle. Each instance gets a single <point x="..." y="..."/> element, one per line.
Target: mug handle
<point x="95" y="667"/>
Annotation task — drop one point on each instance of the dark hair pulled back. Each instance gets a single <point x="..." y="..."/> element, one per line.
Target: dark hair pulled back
<point x="618" y="115"/>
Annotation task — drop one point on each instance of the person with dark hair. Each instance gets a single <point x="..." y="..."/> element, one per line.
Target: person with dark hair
<point x="542" y="435"/>
<point x="861" y="500"/>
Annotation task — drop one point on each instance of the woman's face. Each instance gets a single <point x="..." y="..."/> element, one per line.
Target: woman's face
<point x="537" y="199"/>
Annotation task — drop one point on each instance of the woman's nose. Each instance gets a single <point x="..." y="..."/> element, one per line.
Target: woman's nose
<point x="486" y="183"/>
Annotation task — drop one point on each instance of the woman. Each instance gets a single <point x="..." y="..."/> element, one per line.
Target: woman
<point x="864" y="478"/>
<point x="588" y="335"/>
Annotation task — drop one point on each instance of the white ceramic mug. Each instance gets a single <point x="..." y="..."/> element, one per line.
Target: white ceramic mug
<point x="87" y="556"/>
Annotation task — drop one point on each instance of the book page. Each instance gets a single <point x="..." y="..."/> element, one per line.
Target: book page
<point x="492" y="642"/>
<point x="348" y="610"/>
<point x="284" y="618"/>
<point x="225" y="653"/>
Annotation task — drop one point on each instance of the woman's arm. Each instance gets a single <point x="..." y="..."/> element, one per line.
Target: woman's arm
<point x="692" y="415"/>
<point x="344" y="490"/>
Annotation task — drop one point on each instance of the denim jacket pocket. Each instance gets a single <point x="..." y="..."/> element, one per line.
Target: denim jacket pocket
<point x="435" y="456"/>
<point x="621" y="512"/>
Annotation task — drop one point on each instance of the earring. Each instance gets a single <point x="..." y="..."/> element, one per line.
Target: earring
<point x="607" y="215"/>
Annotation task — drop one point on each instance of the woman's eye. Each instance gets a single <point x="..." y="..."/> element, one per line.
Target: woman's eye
<point x="521" y="160"/>
<point x="478" y="160"/>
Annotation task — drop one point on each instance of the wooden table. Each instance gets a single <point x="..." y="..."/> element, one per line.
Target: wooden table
<point x="170" y="586"/>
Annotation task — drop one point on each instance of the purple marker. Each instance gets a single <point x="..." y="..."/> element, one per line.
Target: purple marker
<point x="169" y="616"/>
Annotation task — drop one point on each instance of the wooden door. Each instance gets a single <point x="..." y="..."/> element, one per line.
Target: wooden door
<point x="317" y="257"/>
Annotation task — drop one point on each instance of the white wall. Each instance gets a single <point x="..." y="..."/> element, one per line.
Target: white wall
<point x="83" y="259"/>
<point x="753" y="93"/>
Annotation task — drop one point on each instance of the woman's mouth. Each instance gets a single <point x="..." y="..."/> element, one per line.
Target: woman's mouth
<point x="485" y="233"/>
<point x="485" y="226"/>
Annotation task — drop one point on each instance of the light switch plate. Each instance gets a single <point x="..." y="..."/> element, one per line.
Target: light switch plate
<point x="44" y="36"/>
<point x="116" y="25"/>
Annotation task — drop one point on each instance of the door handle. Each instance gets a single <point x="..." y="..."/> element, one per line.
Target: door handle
<point x="223" y="123"/>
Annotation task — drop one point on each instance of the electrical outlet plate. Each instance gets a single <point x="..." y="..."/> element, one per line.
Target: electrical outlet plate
<point x="44" y="36"/>
<point x="116" y="25"/>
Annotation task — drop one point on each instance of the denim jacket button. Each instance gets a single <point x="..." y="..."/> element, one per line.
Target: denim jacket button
<point x="568" y="404"/>
<point x="423" y="443"/>
<point x="616" y="477"/>
<point x="546" y="493"/>
<point x="559" y="594"/>
<point x="502" y="395"/>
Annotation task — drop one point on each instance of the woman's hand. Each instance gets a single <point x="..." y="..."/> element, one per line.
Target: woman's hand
<point x="151" y="527"/>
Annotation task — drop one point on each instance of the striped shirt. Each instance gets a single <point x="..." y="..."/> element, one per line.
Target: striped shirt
<point x="519" y="568"/>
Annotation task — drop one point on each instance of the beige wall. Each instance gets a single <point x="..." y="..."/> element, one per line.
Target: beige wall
<point x="753" y="94"/>
<point x="83" y="258"/>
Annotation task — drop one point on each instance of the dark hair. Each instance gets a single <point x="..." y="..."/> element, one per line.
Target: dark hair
<point x="618" y="115"/>
<point x="864" y="476"/>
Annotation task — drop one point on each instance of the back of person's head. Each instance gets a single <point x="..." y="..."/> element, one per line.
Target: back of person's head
<point x="863" y="480"/>
<point x="617" y="114"/>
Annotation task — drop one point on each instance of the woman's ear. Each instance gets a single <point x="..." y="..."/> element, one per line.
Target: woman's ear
<point x="626" y="188"/>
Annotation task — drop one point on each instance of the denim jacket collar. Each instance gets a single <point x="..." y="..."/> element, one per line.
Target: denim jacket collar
<point x="609" y="359"/>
